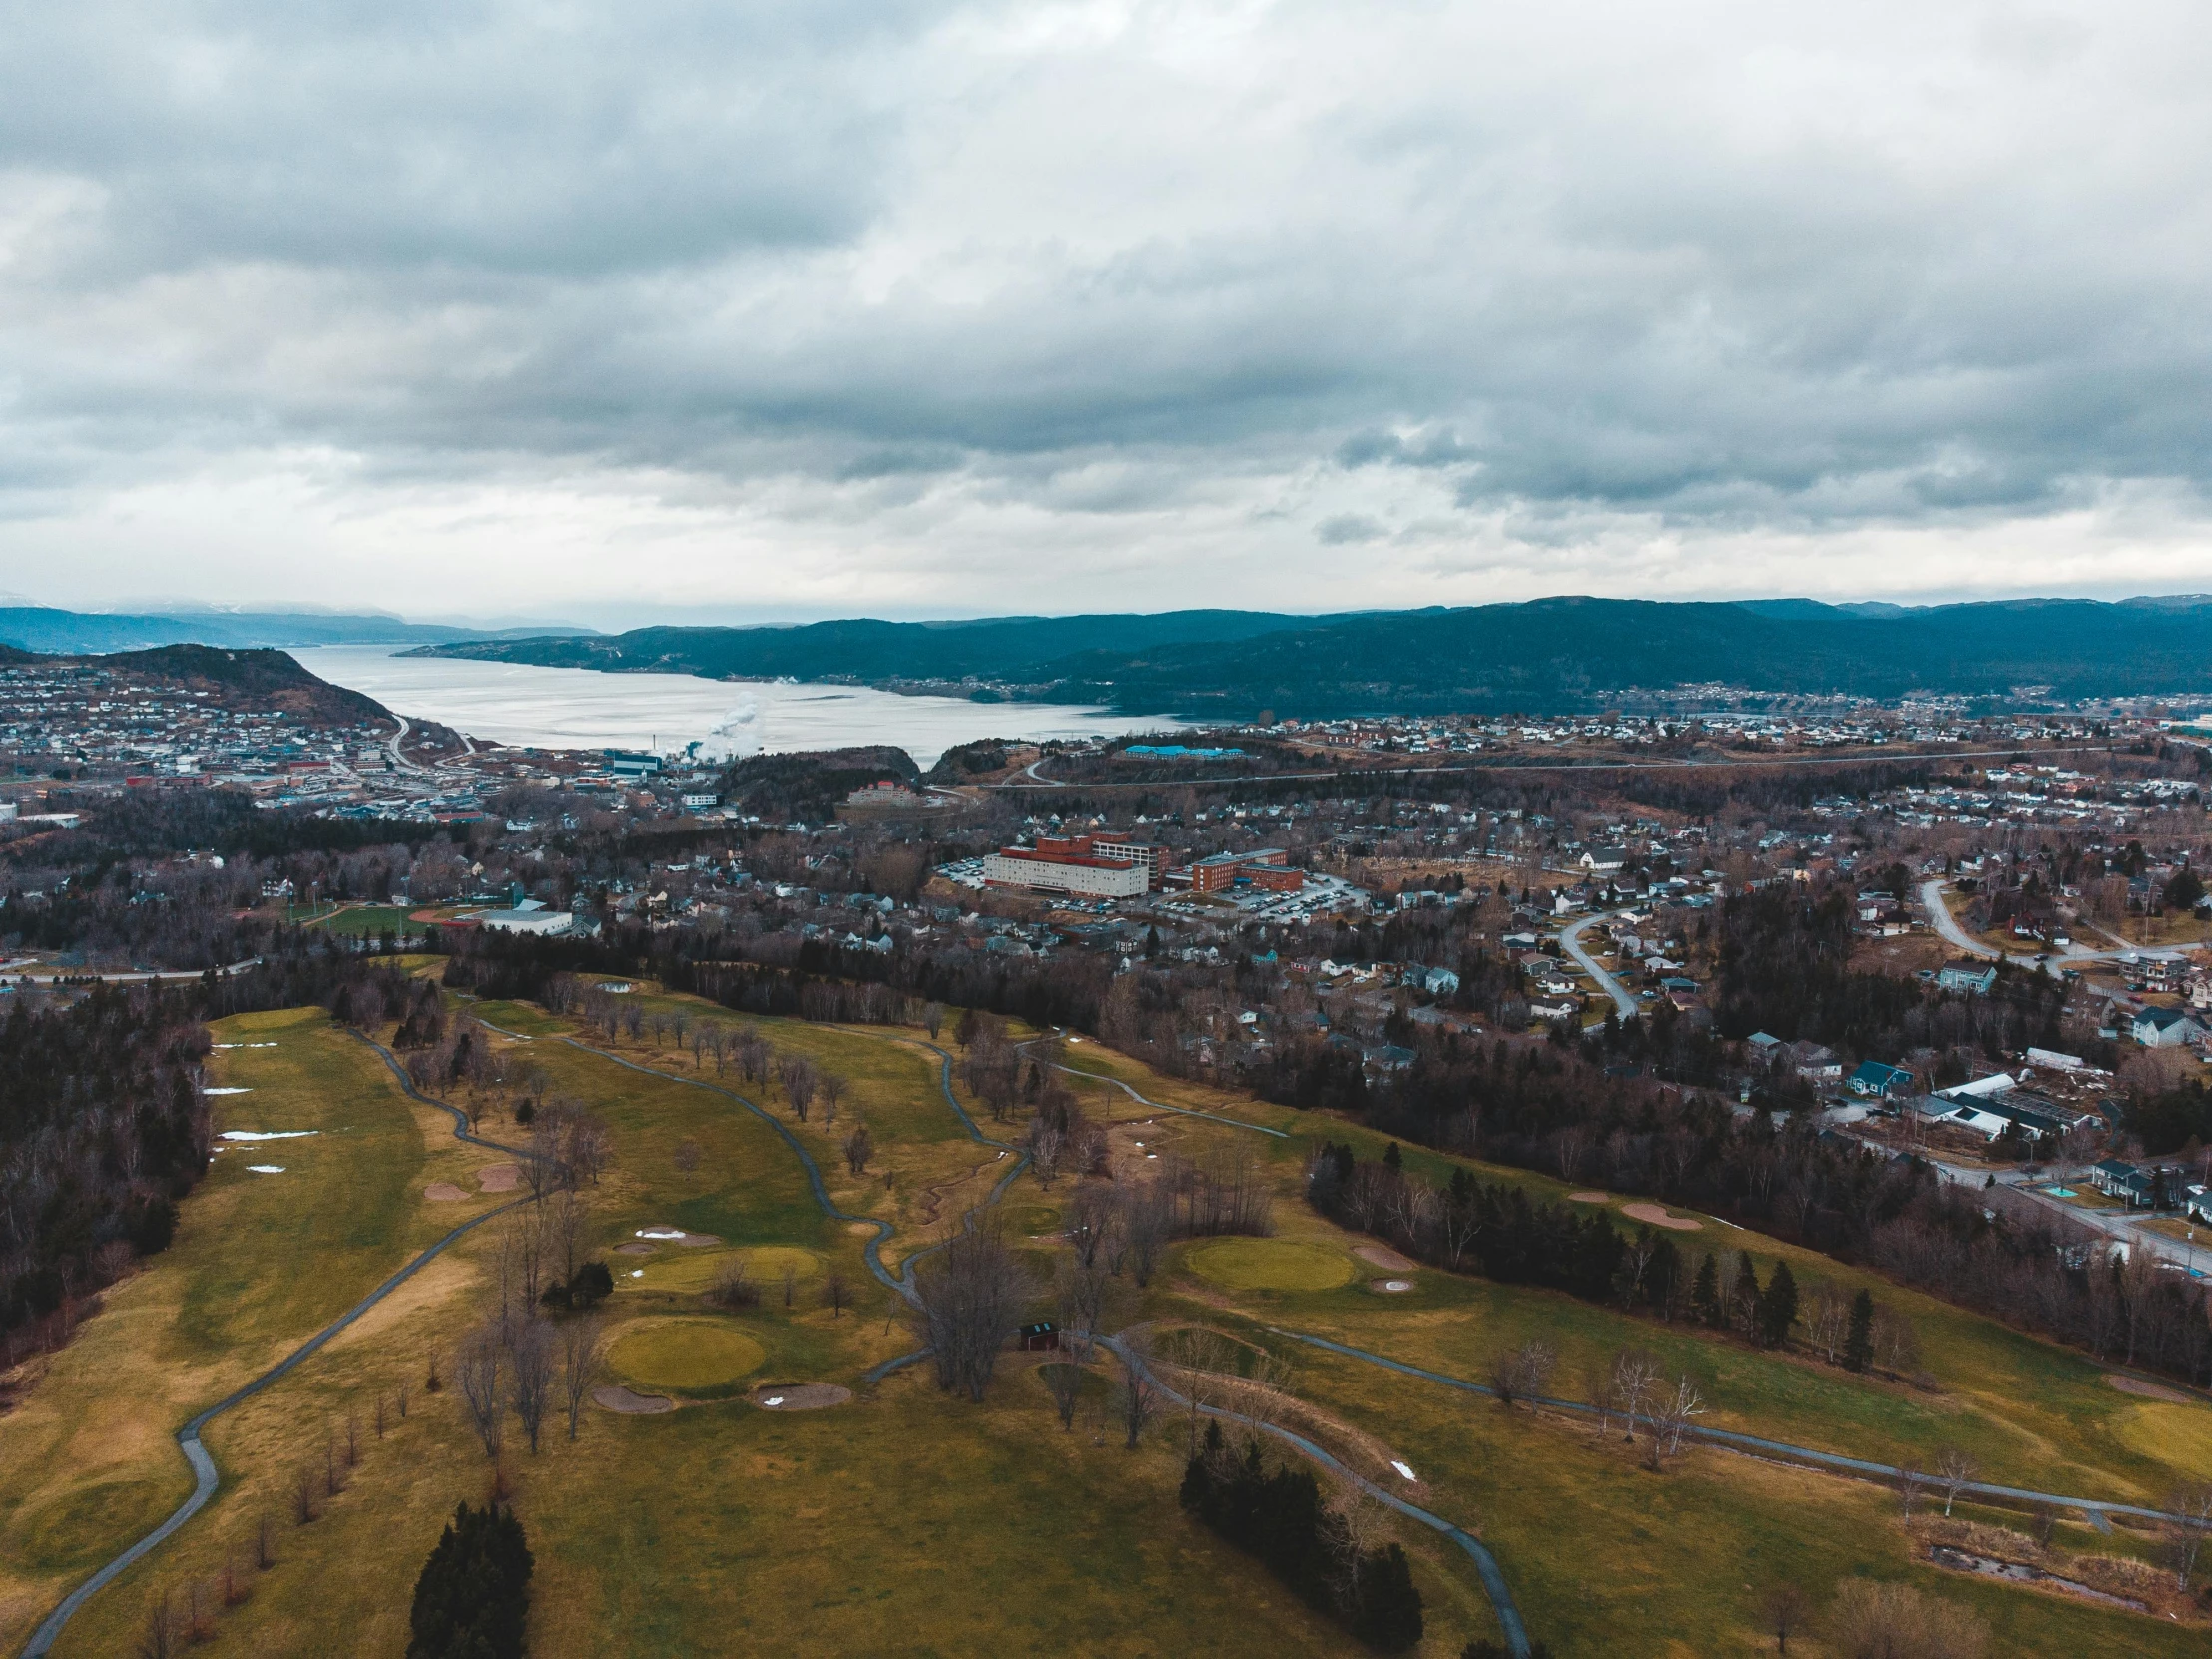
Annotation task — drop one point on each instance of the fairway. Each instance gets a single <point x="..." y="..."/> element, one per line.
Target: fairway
<point x="683" y="1355"/>
<point x="1271" y="1265"/>
<point x="1000" y="1530"/>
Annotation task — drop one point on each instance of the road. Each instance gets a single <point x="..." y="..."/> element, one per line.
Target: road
<point x="83" y="976"/>
<point x="1570" y="939"/>
<point x="1938" y="912"/>
<point x="1040" y="782"/>
<point x="399" y="757"/>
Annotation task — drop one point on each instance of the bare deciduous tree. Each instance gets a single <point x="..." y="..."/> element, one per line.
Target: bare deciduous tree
<point x="2194" y="1504"/>
<point x="1910" y="1482"/>
<point x="579" y="1339"/>
<point x="1784" y="1609"/>
<point x="1635" y="1374"/>
<point x="834" y="1090"/>
<point x="1954" y="1472"/>
<point x="859" y="1147"/>
<point x="479" y="1370"/>
<point x="1063" y="1380"/>
<point x="530" y="1371"/>
<point x="969" y="1297"/>
<point x="1137" y="1395"/>
<point x="162" y="1635"/>
<point x="1519" y="1372"/>
<point x="933" y="1020"/>
<point x="1672" y="1417"/>
<point x="836" y="1291"/>
<point x="1146" y="1219"/>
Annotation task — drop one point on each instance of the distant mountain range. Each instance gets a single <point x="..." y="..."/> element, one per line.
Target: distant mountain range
<point x="1545" y="656"/>
<point x="39" y="628"/>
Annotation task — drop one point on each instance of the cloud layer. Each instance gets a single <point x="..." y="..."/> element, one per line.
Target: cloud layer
<point x="925" y="308"/>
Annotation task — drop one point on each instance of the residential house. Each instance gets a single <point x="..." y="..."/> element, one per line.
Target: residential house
<point x="1978" y="978"/>
<point x="2164" y="1028"/>
<point x="1876" y="1081"/>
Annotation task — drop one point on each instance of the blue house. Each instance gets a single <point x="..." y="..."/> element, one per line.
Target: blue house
<point x="1876" y="1081"/>
<point x="1980" y="979"/>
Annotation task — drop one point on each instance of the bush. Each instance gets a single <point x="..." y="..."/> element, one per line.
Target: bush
<point x="474" y="1593"/>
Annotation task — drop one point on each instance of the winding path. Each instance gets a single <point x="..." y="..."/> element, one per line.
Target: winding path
<point x="1147" y="1105"/>
<point x="2097" y="1510"/>
<point x="1485" y="1564"/>
<point x="1570" y="939"/>
<point x="205" y="1478"/>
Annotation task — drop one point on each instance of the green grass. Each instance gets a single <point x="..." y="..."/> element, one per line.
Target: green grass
<point x="258" y="1265"/>
<point x="909" y="1521"/>
<point x="1270" y="1265"/>
<point x="356" y="921"/>
<point x="700" y="1358"/>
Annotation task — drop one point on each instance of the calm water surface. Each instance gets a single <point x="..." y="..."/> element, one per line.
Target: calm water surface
<point x="579" y="707"/>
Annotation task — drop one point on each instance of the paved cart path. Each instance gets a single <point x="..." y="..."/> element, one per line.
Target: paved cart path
<point x="205" y="1478"/>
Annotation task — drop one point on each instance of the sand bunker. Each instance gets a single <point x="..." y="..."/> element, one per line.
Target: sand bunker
<point x="2148" y="1390"/>
<point x="674" y="1235"/>
<point x="1587" y="1198"/>
<point x="798" y="1396"/>
<point x="1656" y="1217"/>
<point x="633" y="1248"/>
<point x="615" y="1397"/>
<point x="1389" y="1287"/>
<point x="498" y="1178"/>
<point x="1384" y="1257"/>
<point x="443" y="1192"/>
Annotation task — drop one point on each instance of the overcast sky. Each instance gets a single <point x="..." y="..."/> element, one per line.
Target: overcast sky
<point x="608" y="313"/>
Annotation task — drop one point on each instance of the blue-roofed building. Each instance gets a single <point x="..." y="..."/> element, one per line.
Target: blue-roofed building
<point x="1876" y="1081"/>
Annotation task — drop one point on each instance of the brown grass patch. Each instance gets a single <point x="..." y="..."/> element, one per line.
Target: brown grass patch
<point x="1384" y="1257"/>
<point x="499" y="1178"/>
<point x="443" y="1192"/>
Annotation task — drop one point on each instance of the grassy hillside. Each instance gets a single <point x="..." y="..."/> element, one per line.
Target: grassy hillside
<point x="908" y="1521"/>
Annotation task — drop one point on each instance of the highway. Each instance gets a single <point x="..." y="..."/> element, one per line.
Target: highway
<point x="1570" y="939"/>
<point x="1038" y="780"/>
<point x="80" y="976"/>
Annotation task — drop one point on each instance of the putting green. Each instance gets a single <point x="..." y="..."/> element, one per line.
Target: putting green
<point x="683" y="1355"/>
<point x="1271" y="1265"/>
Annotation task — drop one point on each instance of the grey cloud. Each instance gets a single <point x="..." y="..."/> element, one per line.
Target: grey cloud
<point x="1712" y="270"/>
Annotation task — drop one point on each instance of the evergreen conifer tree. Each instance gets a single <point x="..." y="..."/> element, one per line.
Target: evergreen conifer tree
<point x="1705" y="1293"/>
<point x="1393" y="1158"/>
<point x="1777" y="1304"/>
<point x="1858" y="1342"/>
<point x="1745" y="1315"/>
<point x="1388" y="1617"/>
<point x="474" y="1593"/>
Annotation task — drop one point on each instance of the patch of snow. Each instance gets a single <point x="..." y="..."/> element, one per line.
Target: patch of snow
<point x="267" y="1134"/>
<point x="772" y="1400"/>
<point x="1403" y="1469"/>
<point x="266" y="1168"/>
<point x="636" y="1273"/>
<point x="660" y="1232"/>
<point x="226" y="1091"/>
